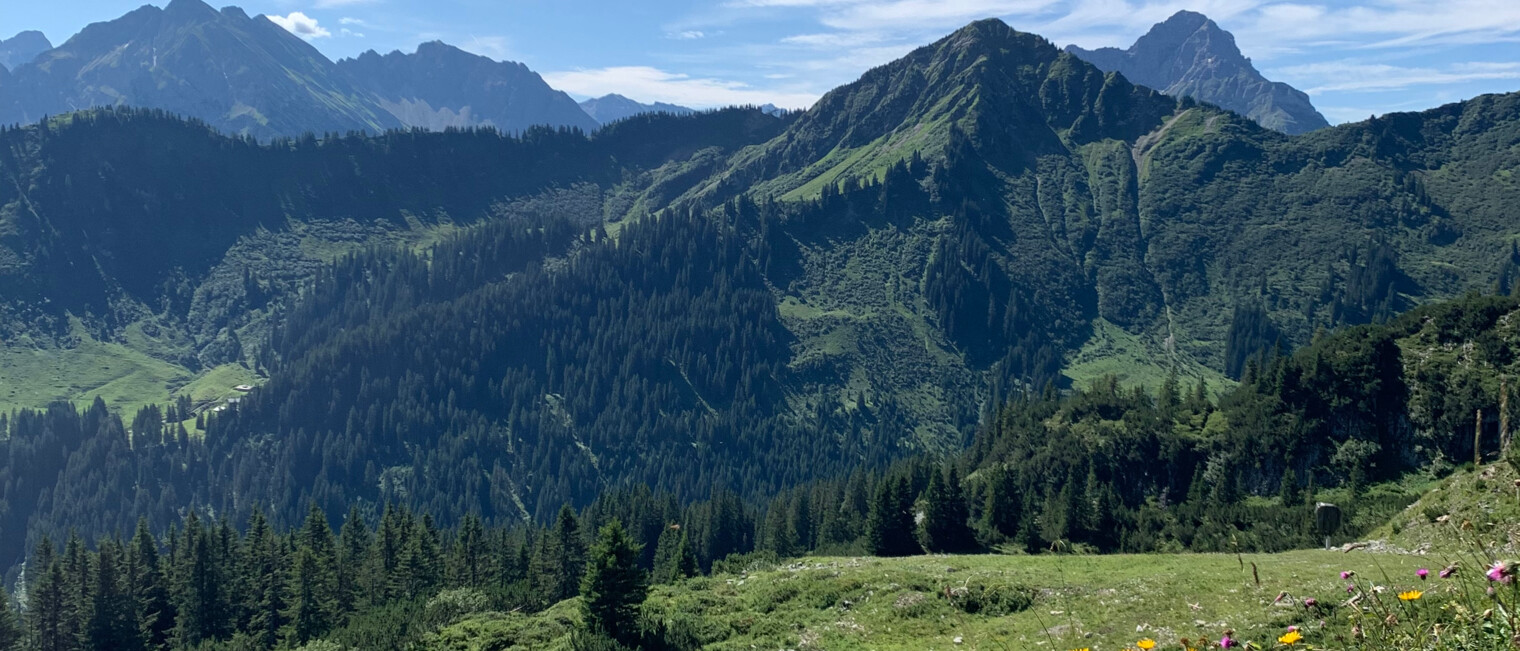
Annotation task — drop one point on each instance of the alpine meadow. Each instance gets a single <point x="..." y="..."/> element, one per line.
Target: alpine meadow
<point x="1002" y="345"/>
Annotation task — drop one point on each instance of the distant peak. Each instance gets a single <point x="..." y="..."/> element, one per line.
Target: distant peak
<point x="983" y="29"/>
<point x="190" y="8"/>
<point x="1186" y="19"/>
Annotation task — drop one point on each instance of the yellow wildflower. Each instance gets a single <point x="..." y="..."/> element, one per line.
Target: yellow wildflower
<point x="1410" y="595"/>
<point x="1146" y="644"/>
<point x="1292" y="637"/>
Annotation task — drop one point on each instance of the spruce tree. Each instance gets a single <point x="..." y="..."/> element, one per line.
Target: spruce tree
<point x="155" y="612"/>
<point x="559" y="559"/>
<point x="265" y="598"/>
<point x="111" y="624"/>
<point x="312" y="598"/>
<point x="10" y="628"/>
<point x="1000" y="512"/>
<point x="614" y="586"/>
<point x="468" y="560"/>
<point x="354" y="542"/>
<point x="46" y="602"/>
<point x="945" y="514"/>
<point x="674" y="557"/>
<point x="889" y="526"/>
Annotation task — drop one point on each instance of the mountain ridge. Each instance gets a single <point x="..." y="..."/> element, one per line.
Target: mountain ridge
<point x="249" y="76"/>
<point x="1190" y="55"/>
<point x="22" y="47"/>
<point x="425" y="89"/>
<point x="613" y="107"/>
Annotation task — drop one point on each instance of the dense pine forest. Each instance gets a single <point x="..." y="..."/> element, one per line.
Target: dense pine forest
<point x="1101" y="469"/>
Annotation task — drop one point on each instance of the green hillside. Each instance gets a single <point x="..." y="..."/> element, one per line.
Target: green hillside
<point x="1104" y="603"/>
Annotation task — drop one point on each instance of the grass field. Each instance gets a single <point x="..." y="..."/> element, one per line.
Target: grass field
<point x="1135" y="361"/>
<point x="32" y="377"/>
<point x="922" y="603"/>
<point x="1049" y="601"/>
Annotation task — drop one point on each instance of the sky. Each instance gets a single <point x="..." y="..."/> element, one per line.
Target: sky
<point x="1355" y="58"/>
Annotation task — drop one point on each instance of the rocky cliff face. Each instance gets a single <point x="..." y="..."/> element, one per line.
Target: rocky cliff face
<point x="1190" y="56"/>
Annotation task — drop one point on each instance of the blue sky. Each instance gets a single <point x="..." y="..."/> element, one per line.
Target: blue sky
<point x="1354" y="58"/>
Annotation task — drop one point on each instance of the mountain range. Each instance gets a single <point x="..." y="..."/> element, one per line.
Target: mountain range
<point x="249" y="76"/>
<point x="611" y="108"/>
<point x="728" y="298"/>
<point x="1188" y="55"/>
<point x="22" y="48"/>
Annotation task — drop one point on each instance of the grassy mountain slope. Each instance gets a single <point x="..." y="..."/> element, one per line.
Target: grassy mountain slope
<point x="975" y="602"/>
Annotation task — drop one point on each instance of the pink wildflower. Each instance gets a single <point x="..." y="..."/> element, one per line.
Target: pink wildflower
<point x="1449" y="571"/>
<point x="1225" y="642"/>
<point x="1346" y="574"/>
<point x="1422" y="573"/>
<point x="1502" y="572"/>
<point x="1350" y="588"/>
<point x="1310" y="602"/>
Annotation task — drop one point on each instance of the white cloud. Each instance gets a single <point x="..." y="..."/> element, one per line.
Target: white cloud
<point x="301" y="25"/>
<point x="1333" y="76"/>
<point x="689" y="35"/>
<point x="356" y="22"/>
<point x="348" y="32"/>
<point x="647" y="84"/>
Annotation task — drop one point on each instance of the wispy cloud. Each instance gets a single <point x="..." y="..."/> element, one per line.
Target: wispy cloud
<point x="332" y="4"/>
<point x="491" y="47"/>
<point x="648" y="84"/>
<point x="1332" y="76"/>
<point x="301" y="25"/>
<point x="689" y="35"/>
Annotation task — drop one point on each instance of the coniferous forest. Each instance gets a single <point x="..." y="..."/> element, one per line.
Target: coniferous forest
<point x="986" y="299"/>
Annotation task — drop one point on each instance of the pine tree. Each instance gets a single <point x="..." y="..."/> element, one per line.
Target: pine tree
<point x="469" y="557"/>
<point x="674" y="557"/>
<point x="10" y="628"/>
<point x="265" y="598"/>
<point x="354" y="542"/>
<point x="559" y="559"/>
<point x="78" y="585"/>
<point x="614" y="586"/>
<point x="1000" y="512"/>
<point x="889" y="526"/>
<point x="778" y="536"/>
<point x="1288" y="491"/>
<point x="46" y="602"/>
<point x="155" y="612"/>
<point x="111" y="624"/>
<point x="201" y="599"/>
<point x="312" y="599"/>
<point x="945" y="514"/>
<point x="309" y="612"/>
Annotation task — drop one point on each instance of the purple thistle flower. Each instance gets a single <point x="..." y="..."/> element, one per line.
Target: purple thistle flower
<point x="1448" y="571"/>
<point x="1502" y="572"/>
<point x="1350" y="588"/>
<point x="1310" y="602"/>
<point x="1346" y="574"/>
<point x="1225" y="642"/>
<point x="1423" y="573"/>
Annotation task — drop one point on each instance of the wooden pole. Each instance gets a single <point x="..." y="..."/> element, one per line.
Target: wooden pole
<point x="1478" y="441"/>
<point x="1504" y="419"/>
